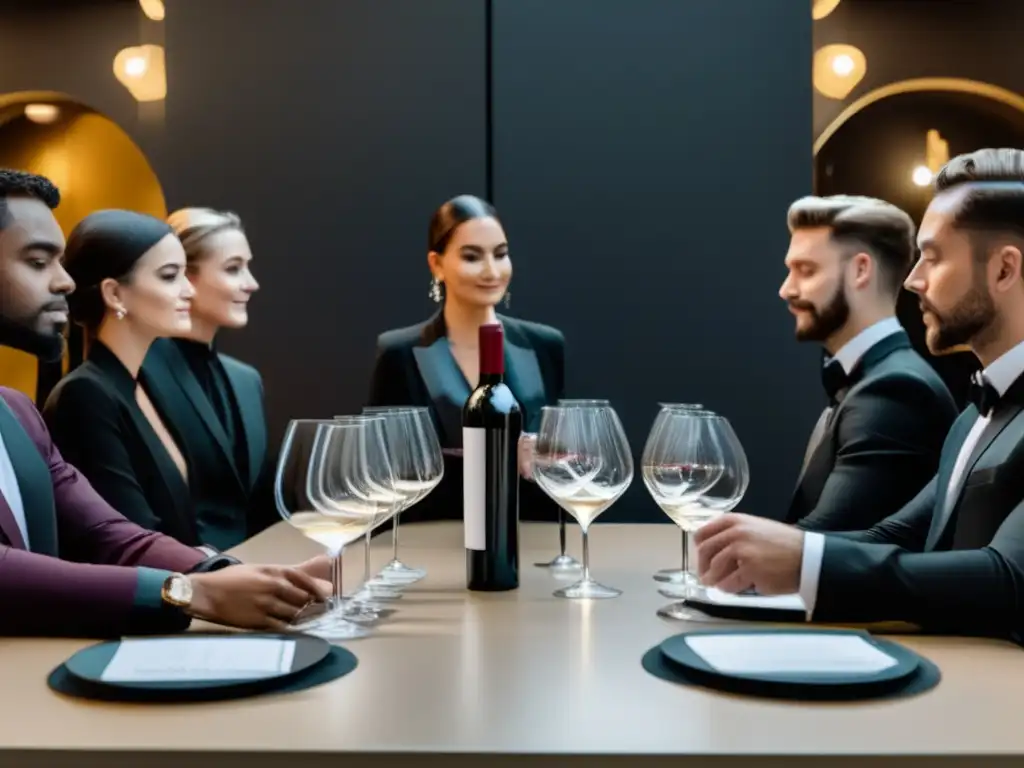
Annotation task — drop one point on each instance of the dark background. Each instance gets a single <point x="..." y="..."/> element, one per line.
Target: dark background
<point x="642" y="154"/>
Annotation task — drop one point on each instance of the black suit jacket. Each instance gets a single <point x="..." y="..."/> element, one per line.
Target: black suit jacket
<point x="881" y="445"/>
<point x="415" y="366"/>
<point x="956" y="567"/>
<point x="231" y="503"/>
<point x="98" y="427"/>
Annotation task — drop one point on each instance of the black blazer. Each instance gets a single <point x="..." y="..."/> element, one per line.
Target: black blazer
<point x="231" y="504"/>
<point x="956" y="568"/>
<point x="99" y="428"/>
<point x="881" y="444"/>
<point x="415" y="366"/>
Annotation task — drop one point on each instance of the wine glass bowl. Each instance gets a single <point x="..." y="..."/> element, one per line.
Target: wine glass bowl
<point x="583" y="462"/>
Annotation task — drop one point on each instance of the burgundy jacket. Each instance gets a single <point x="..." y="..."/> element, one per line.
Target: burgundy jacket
<point x="88" y="572"/>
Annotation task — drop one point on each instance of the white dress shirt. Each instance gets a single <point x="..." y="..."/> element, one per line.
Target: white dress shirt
<point x="11" y="492"/>
<point x="1000" y="374"/>
<point x="852" y="351"/>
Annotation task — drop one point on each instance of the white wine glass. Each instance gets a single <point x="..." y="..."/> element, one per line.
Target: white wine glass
<point x="321" y="470"/>
<point x="583" y="462"/>
<point x="671" y="575"/>
<point x="418" y="472"/>
<point x="527" y="443"/>
<point x="683" y="461"/>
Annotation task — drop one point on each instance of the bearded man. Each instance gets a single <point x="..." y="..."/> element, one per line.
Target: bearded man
<point x="879" y="439"/>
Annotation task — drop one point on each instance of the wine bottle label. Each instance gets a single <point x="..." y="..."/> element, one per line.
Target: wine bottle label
<point x="474" y="487"/>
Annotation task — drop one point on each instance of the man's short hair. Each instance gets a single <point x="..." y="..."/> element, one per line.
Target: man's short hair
<point x="22" y="184"/>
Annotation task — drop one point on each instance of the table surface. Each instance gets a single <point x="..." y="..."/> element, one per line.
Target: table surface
<point x="522" y="672"/>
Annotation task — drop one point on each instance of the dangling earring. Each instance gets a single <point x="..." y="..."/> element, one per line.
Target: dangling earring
<point x="435" y="290"/>
<point x="120" y="313"/>
<point x="507" y="300"/>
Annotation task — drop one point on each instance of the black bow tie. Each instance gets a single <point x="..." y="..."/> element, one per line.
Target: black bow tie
<point x="983" y="394"/>
<point x="834" y="379"/>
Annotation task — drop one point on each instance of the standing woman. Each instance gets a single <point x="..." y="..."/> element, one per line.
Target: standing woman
<point x="436" y="363"/>
<point x="214" y="401"/>
<point x="129" y="270"/>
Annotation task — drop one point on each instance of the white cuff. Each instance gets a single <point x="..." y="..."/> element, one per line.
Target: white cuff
<point x="810" y="570"/>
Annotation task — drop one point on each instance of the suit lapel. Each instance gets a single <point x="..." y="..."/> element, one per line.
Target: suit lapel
<point x="523" y="376"/>
<point x="948" y="497"/>
<point x="198" y="402"/>
<point x="250" y="407"/>
<point x="447" y="386"/>
<point x="34" y="484"/>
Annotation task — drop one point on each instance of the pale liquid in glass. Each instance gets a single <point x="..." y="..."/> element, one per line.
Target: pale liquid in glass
<point x="331" y="531"/>
<point x="413" y="490"/>
<point x="688" y="515"/>
<point x="585" y="504"/>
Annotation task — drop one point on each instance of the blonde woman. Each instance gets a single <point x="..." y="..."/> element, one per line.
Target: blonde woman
<point x="214" y="401"/>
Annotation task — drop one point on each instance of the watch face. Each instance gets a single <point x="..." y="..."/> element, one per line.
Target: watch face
<point x="179" y="590"/>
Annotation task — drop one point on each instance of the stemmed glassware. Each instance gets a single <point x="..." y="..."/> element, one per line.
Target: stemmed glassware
<point x="419" y="469"/>
<point x="326" y="479"/>
<point x="672" y="575"/>
<point x="690" y="447"/>
<point x="562" y="562"/>
<point x="583" y="461"/>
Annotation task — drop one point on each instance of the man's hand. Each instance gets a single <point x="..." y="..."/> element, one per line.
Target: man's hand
<point x="736" y="552"/>
<point x="254" y="596"/>
<point x="318" y="567"/>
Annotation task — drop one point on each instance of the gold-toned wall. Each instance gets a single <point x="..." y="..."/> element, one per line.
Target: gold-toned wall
<point x="96" y="165"/>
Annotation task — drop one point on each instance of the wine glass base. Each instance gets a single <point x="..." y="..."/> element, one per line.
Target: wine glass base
<point x="562" y="563"/>
<point x="332" y="627"/>
<point x="675" y="591"/>
<point x="680" y="611"/>
<point x="674" y="576"/>
<point x="397" y="572"/>
<point x="379" y="589"/>
<point x="587" y="590"/>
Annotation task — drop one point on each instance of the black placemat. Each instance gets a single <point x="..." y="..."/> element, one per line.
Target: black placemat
<point x="925" y="677"/>
<point x="336" y="663"/>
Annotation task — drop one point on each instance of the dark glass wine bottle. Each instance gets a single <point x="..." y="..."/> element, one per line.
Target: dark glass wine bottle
<point x="491" y="424"/>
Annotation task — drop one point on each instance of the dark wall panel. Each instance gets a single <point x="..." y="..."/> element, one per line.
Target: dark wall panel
<point x="645" y="153"/>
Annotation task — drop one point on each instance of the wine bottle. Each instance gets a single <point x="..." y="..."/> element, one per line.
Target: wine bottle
<point x="491" y="424"/>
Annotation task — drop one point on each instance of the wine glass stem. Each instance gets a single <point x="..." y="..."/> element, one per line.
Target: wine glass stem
<point x="394" y="538"/>
<point x="366" y="560"/>
<point x="336" y="582"/>
<point x="686" y="552"/>
<point x="586" y="555"/>
<point x="561" y="530"/>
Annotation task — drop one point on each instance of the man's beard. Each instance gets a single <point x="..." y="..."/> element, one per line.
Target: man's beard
<point x="48" y="347"/>
<point x="971" y="317"/>
<point x="827" y="320"/>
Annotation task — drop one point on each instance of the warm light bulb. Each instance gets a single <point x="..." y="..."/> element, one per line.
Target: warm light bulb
<point x="842" y="65"/>
<point x="922" y="176"/>
<point x="42" y="113"/>
<point x="135" y="66"/>
<point x="154" y="9"/>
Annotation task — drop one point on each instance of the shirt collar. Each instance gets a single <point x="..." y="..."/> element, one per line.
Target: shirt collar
<point x="1005" y="369"/>
<point x="852" y="351"/>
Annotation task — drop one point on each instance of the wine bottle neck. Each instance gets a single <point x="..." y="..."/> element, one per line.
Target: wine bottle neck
<point x="492" y="352"/>
<point x="491" y="378"/>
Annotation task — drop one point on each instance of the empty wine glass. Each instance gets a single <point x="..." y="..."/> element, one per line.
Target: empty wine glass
<point x="323" y="472"/>
<point x="721" y="497"/>
<point x="419" y="473"/>
<point x="583" y="462"/>
<point x="672" y="575"/>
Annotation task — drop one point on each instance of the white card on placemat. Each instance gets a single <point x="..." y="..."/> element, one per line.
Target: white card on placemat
<point x="147" y="660"/>
<point x="790" y="652"/>
<point x="777" y="602"/>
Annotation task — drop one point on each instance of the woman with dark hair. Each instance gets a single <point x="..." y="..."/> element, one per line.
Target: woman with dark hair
<point x="435" y="363"/>
<point x="215" y="400"/>
<point x="131" y="288"/>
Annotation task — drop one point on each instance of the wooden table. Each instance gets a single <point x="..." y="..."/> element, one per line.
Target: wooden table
<point x="461" y="679"/>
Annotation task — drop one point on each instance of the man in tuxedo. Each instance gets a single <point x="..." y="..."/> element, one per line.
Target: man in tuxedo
<point x="878" y="440"/>
<point x="69" y="564"/>
<point x="952" y="559"/>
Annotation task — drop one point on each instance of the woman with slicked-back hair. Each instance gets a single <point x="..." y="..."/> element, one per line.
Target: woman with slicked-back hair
<point x="215" y="401"/>
<point x="435" y="363"/>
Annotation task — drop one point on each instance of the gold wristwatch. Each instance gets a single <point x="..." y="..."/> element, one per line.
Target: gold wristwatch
<point x="177" y="591"/>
